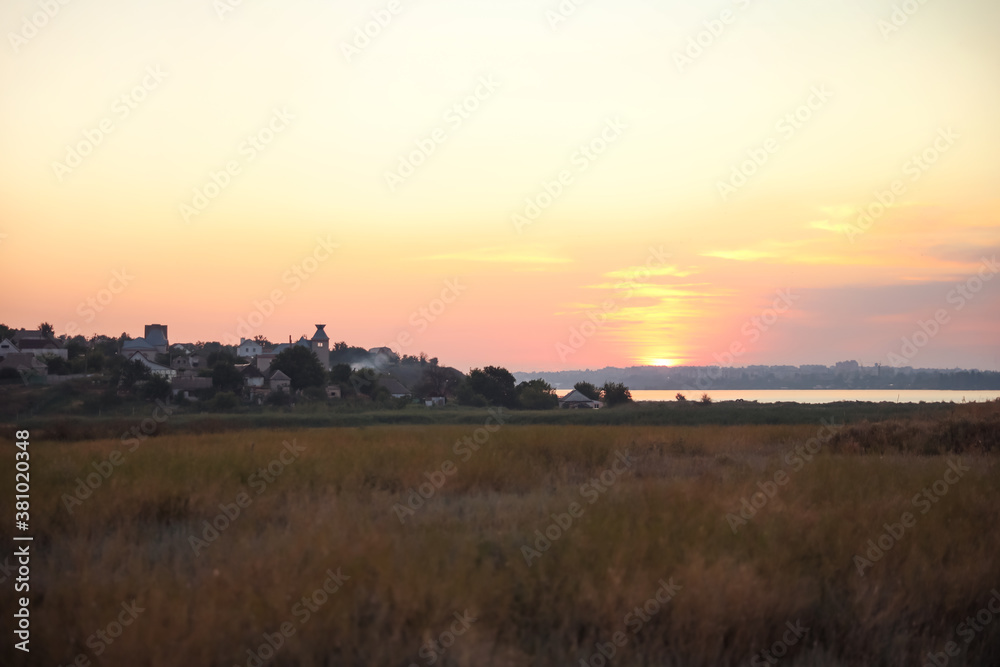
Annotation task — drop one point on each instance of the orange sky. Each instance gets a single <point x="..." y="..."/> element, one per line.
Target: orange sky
<point x="505" y="187"/>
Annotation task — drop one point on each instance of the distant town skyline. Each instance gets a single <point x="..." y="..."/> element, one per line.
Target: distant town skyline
<point x="162" y="344"/>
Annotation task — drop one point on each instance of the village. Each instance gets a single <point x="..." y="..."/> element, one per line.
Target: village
<point x="259" y="372"/>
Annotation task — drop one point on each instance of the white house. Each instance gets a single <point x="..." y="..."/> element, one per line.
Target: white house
<point x="252" y="377"/>
<point x="39" y="344"/>
<point x="278" y="381"/>
<point x="249" y="349"/>
<point x="7" y="347"/>
<point x="154" y="368"/>
<point x="575" y="400"/>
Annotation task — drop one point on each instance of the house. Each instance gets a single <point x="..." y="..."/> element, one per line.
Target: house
<point x="332" y="391"/>
<point x="24" y="363"/>
<point x="22" y="335"/>
<point x="185" y="385"/>
<point x="252" y="377"/>
<point x="576" y="400"/>
<point x="7" y="347"/>
<point x="248" y="349"/>
<point x="43" y="348"/>
<point x="278" y="381"/>
<point x="189" y="362"/>
<point x="156" y="335"/>
<point x="38" y="343"/>
<point x="435" y="402"/>
<point x="265" y="360"/>
<point x="393" y="386"/>
<point x="154" y="368"/>
<point x="139" y="346"/>
<point x="319" y="344"/>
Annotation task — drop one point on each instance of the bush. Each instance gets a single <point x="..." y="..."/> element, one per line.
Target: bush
<point x="57" y="366"/>
<point x="9" y="376"/>
<point x="616" y="393"/>
<point x="157" y="387"/>
<point x="279" y="398"/>
<point x="536" y="395"/>
<point x="314" y="394"/>
<point x="222" y="401"/>
<point x="495" y="384"/>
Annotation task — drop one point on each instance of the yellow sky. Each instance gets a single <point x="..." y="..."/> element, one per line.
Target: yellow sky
<point x="659" y="171"/>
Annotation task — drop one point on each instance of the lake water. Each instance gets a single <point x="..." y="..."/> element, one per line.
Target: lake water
<point x="822" y="395"/>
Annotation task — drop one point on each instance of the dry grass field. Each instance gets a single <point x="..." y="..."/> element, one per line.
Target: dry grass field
<point x="534" y="545"/>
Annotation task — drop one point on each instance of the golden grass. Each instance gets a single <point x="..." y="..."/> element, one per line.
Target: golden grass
<point x="664" y="519"/>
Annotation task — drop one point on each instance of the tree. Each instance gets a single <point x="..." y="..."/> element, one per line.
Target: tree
<point x="224" y="400"/>
<point x="262" y="340"/>
<point x="56" y="365"/>
<point x="5" y="331"/>
<point x="156" y="388"/>
<point x="363" y="380"/>
<point x="279" y="398"/>
<point x="435" y="381"/>
<point x="314" y="394"/>
<point x="342" y="353"/>
<point x="225" y="377"/>
<point x="616" y="393"/>
<point x="221" y="357"/>
<point x="76" y="347"/>
<point x="537" y="395"/>
<point x="302" y="366"/>
<point x="46" y="329"/>
<point x="706" y="399"/>
<point x="340" y="373"/>
<point x="681" y="397"/>
<point x="132" y="372"/>
<point x="589" y="390"/>
<point x="495" y="384"/>
<point x="95" y="360"/>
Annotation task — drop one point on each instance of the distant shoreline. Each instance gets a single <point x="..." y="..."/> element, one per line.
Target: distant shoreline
<point x="823" y="396"/>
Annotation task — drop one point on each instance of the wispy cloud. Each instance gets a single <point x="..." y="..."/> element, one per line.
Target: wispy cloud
<point x="499" y="256"/>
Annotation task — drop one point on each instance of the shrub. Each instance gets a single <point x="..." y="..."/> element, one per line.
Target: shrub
<point x="616" y="393"/>
<point x="224" y="400"/>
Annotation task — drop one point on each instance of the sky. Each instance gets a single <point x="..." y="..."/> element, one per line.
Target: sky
<point x="538" y="185"/>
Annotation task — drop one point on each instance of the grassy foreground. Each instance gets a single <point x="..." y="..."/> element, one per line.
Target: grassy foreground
<point x="639" y="512"/>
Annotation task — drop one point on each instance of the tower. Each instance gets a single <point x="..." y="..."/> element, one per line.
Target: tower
<point x="320" y="345"/>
